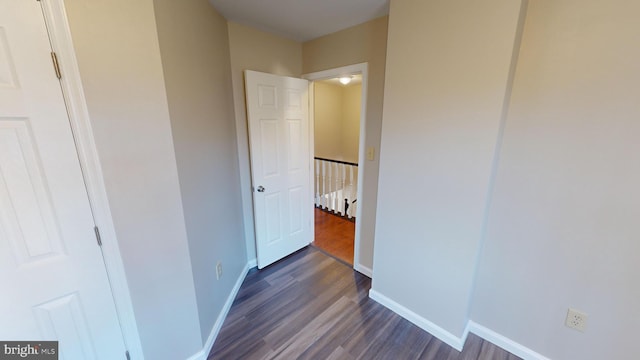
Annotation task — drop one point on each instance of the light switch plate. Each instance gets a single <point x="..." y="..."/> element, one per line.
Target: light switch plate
<point x="371" y="153"/>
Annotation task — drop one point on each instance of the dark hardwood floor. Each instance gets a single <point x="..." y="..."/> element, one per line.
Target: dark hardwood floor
<point x="334" y="235"/>
<point x="311" y="306"/>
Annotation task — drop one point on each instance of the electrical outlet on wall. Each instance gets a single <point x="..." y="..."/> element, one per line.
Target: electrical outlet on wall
<point x="576" y="320"/>
<point x="218" y="270"/>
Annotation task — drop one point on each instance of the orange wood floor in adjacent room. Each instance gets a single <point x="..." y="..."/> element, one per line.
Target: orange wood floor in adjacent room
<point x="334" y="235"/>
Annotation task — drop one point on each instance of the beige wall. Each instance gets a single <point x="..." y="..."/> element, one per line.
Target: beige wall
<point x="363" y="43"/>
<point x="563" y="226"/>
<point x="448" y="70"/>
<point x="194" y="46"/>
<point x="337" y="120"/>
<point x="351" y="105"/>
<point x="327" y="117"/>
<point x="117" y="49"/>
<point x="253" y="49"/>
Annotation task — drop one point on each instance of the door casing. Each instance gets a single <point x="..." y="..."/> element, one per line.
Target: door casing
<point x="61" y="42"/>
<point x="361" y="68"/>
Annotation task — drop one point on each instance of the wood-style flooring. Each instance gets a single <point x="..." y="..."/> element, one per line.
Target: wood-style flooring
<point x="311" y="306"/>
<point x="334" y="235"/>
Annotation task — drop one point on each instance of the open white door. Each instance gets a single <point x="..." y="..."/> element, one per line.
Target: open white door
<point x="54" y="281"/>
<point x="278" y="115"/>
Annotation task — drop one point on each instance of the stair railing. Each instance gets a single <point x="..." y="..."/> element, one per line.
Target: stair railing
<point x="336" y="185"/>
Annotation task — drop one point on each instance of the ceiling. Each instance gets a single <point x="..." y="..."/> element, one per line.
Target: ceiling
<point x="301" y="20"/>
<point x="355" y="79"/>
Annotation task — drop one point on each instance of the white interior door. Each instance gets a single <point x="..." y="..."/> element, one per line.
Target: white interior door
<point x="54" y="282"/>
<point x="278" y="115"/>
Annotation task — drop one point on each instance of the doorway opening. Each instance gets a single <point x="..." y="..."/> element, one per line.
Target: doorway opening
<point x="337" y="114"/>
<point x="283" y="169"/>
<point x="337" y="104"/>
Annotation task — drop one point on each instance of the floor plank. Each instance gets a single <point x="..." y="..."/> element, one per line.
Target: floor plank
<point x="312" y="306"/>
<point x="334" y="235"/>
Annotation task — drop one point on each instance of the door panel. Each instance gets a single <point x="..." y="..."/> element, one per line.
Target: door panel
<point x="55" y="285"/>
<point x="296" y="203"/>
<point x="26" y="214"/>
<point x="294" y="133"/>
<point x="64" y="319"/>
<point x="277" y="110"/>
<point x="269" y="141"/>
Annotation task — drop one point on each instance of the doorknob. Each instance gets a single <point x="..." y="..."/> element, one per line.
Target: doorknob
<point x="260" y="188"/>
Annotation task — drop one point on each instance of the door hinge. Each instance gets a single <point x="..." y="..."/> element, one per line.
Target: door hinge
<point x="56" y="65"/>
<point x="97" y="231"/>
<point x="126" y="353"/>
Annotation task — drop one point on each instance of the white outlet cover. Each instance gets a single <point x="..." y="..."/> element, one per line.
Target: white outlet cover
<point x="218" y="270"/>
<point x="576" y="319"/>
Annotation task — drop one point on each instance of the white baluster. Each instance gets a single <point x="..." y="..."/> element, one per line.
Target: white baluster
<point x="336" y="186"/>
<point x="336" y="198"/>
<point x="323" y="202"/>
<point x="336" y="179"/>
<point x="330" y="180"/>
<point x="354" y="206"/>
<point x="342" y="189"/>
<point x="350" y="211"/>
<point x="316" y="187"/>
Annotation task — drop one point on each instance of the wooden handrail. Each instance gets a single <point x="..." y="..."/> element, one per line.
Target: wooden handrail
<point x="337" y="161"/>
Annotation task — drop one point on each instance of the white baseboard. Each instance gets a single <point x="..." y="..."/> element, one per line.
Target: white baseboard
<point x="504" y="342"/>
<point x="252" y="263"/>
<point x="202" y="354"/>
<point x="363" y="270"/>
<point x="452" y="340"/>
<point x="433" y="329"/>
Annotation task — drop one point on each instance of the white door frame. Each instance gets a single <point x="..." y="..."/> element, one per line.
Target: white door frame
<point x="361" y="68"/>
<point x="61" y="42"/>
